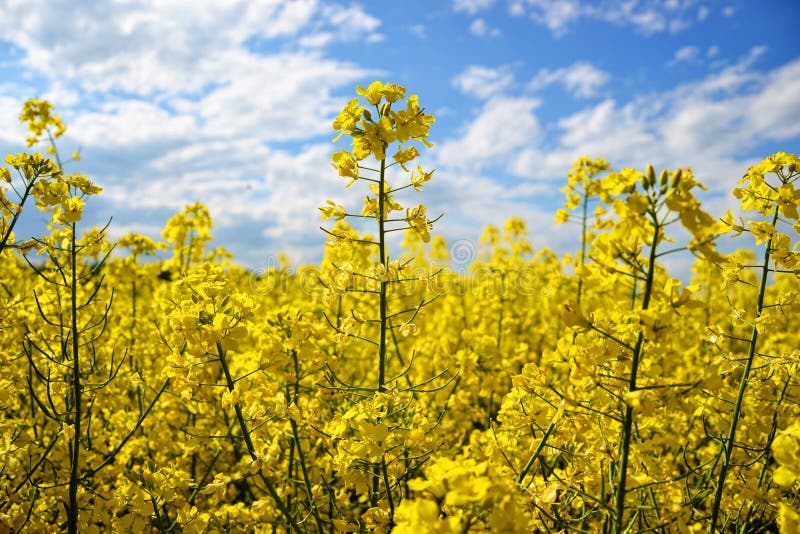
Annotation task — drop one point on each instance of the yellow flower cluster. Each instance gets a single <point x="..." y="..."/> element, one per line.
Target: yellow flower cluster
<point x="154" y="385"/>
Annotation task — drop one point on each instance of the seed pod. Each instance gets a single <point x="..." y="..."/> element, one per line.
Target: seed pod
<point x="650" y="177"/>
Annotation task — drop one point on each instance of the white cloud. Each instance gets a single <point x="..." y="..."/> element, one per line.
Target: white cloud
<point x="281" y="97"/>
<point x="556" y="15"/>
<point x="419" y="30"/>
<point x="711" y="125"/>
<point x="502" y="126"/>
<point x="483" y="82"/>
<point x="678" y="25"/>
<point x="480" y="28"/>
<point x="130" y="123"/>
<point x="12" y="132"/>
<point x="516" y="8"/>
<point x="774" y="112"/>
<point x="179" y="47"/>
<point x="606" y="130"/>
<point x="351" y="22"/>
<point x="264" y="197"/>
<point x="647" y="17"/>
<point x="685" y="54"/>
<point x="180" y="101"/>
<point x="582" y="80"/>
<point x="471" y="6"/>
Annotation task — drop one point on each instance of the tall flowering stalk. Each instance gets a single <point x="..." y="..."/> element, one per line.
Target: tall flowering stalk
<point x="63" y="282"/>
<point x="388" y="119"/>
<point x="372" y="136"/>
<point x="70" y="357"/>
<point x="583" y="184"/>
<point x="768" y="189"/>
<point x="644" y="206"/>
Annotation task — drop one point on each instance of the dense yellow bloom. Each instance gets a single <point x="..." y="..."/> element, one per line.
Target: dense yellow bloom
<point x="38" y="116"/>
<point x="788" y="519"/>
<point x="382" y="389"/>
<point x="786" y="449"/>
<point x="139" y="244"/>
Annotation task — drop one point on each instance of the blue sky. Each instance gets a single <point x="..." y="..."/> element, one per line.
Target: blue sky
<point x="231" y="103"/>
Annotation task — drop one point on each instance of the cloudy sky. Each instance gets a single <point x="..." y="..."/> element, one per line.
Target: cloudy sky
<point x="231" y="102"/>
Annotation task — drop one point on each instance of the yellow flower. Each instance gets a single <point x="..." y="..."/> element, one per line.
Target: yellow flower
<point x="333" y="210"/>
<point x="373" y="93"/>
<point x="420" y="177"/>
<point x="70" y="211"/>
<point x="348" y="118"/>
<point x="762" y="231"/>
<point x="412" y="123"/>
<point x="786" y="450"/>
<point x="139" y="244"/>
<point x="788" y="519"/>
<point x="84" y="184"/>
<point x="404" y="156"/>
<point x="408" y="329"/>
<point x="392" y="92"/>
<point x="573" y="316"/>
<point x="729" y="222"/>
<point x="370" y="206"/>
<point x="346" y="165"/>
<point x="562" y="216"/>
<point x="623" y="181"/>
<point x="418" y="221"/>
<point x="38" y="114"/>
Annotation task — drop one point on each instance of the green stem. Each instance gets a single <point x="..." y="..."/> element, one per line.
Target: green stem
<point x="728" y="443"/>
<point x="300" y="454"/>
<point x="249" y="442"/>
<point x="74" y="460"/>
<point x="583" y="241"/>
<point x="382" y="470"/>
<point x="536" y="453"/>
<point x="306" y="480"/>
<point x="17" y="213"/>
<point x="627" y="422"/>
<point x="383" y="303"/>
<point x="110" y="457"/>
<point x="385" y="474"/>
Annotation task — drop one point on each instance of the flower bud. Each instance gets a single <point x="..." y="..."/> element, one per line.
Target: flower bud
<point x="664" y="180"/>
<point x="676" y="180"/>
<point x="650" y="177"/>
